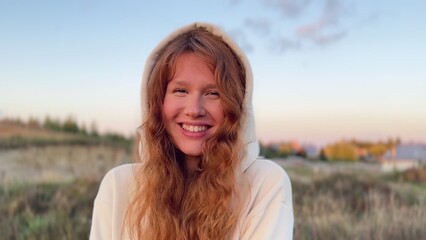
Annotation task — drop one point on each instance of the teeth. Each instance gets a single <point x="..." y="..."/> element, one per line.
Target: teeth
<point x="191" y="128"/>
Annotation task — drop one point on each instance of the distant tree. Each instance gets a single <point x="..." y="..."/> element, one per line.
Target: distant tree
<point x="281" y="150"/>
<point x="341" y="151"/>
<point x="70" y="125"/>
<point x="33" y="122"/>
<point x="360" y="144"/>
<point x="93" y="129"/>
<point x="302" y="153"/>
<point x="83" y="129"/>
<point x="266" y="151"/>
<point x="52" y="124"/>
<point x="322" y="155"/>
<point x="285" y="149"/>
<point x="378" y="150"/>
<point x="17" y="121"/>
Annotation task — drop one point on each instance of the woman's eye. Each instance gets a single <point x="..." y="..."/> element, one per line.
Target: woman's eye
<point x="213" y="94"/>
<point x="180" y="91"/>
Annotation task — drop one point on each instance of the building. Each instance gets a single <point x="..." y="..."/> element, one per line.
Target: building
<point x="404" y="156"/>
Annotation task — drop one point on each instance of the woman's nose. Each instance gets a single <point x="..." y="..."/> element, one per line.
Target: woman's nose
<point x="195" y="107"/>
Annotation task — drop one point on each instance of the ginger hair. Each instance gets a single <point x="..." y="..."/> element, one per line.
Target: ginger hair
<point x="167" y="203"/>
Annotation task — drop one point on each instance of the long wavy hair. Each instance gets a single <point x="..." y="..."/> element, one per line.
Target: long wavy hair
<point x="167" y="203"/>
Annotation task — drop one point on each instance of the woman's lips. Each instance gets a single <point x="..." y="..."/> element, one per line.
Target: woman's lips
<point x="194" y="130"/>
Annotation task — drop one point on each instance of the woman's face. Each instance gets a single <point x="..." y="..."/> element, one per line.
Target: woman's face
<point x="192" y="109"/>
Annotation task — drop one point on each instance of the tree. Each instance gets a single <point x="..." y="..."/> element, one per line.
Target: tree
<point x="33" y="122"/>
<point x="51" y="124"/>
<point x="70" y="125"/>
<point x="83" y="129"/>
<point x="94" y="129"/>
<point x="377" y="150"/>
<point x="341" y="151"/>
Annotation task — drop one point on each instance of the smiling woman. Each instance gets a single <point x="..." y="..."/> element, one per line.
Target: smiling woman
<point x="199" y="175"/>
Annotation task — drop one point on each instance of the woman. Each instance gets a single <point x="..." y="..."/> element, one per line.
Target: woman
<point x="200" y="176"/>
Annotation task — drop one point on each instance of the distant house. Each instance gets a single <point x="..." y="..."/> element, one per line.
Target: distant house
<point x="409" y="151"/>
<point x="312" y="151"/>
<point x="404" y="156"/>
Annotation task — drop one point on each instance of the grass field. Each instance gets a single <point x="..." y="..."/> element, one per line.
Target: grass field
<point x="327" y="204"/>
<point x="359" y="206"/>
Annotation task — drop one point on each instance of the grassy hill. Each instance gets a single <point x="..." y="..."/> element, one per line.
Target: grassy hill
<point x="35" y="154"/>
<point x="15" y="134"/>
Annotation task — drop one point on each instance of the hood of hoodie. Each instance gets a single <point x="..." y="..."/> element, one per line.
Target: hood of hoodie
<point x="248" y="124"/>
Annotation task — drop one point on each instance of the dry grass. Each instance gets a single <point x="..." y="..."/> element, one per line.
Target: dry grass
<point x="346" y="206"/>
<point x="47" y="211"/>
<point x="333" y="207"/>
<point x="59" y="163"/>
<point x="327" y="205"/>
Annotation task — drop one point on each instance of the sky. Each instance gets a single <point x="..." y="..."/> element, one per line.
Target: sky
<point x="324" y="70"/>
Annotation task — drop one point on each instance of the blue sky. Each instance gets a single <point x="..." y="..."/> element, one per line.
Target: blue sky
<point x="324" y="70"/>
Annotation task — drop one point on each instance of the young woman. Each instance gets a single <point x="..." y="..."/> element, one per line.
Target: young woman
<point x="199" y="175"/>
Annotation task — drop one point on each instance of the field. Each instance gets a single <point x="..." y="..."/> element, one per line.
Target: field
<point x="47" y="192"/>
<point x="357" y="205"/>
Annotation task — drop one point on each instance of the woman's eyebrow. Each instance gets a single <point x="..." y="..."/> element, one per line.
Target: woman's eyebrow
<point x="212" y="85"/>
<point x="178" y="82"/>
<point x="183" y="83"/>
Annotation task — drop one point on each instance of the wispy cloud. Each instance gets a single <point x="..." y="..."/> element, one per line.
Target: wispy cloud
<point x="260" y="26"/>
<point x="326" y="39"/>
<point x="289" y="8"/>
<point x="234" y="2"/>
<point x="329" y="17"/>
<point x="324" y="30"/>
<point x="282" y="44"/>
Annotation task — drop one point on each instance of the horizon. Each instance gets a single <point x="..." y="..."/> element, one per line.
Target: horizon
<point x="323" y="70"/>
<point x="86" y="126"/>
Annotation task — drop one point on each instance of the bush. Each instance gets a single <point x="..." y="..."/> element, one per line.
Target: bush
<point x="341" y="151"/>
<point x="47" y="211"/>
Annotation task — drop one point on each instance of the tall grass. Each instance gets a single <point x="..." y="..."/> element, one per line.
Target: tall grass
<point x="47" y="211"/>
<point x="334" y="207"/>
<point x="353" y="207"/>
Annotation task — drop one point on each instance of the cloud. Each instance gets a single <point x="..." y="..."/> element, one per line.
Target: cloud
<point x="326" y="24"/>
<point x="259" y="26"/>
<point x="240" y="37"/>
<point x="324" y="30"/>
<point x="282" y="44"/>
<point x="323" y="40"/>
<point x="289" y="8"/>
<point x="234" y="2"/>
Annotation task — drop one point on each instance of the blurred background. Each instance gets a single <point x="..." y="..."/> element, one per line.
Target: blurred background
<point x="339" y="98"/>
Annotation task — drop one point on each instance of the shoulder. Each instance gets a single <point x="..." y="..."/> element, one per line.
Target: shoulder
<point x="119" y="174"/>
<point x="268" y="181"/>
<point x="266" y="170"/>
<point x="111" y="202"/>
<point x="268" y="212"/>
<point x="121" y="171"/>
<point x="116" y="183"/>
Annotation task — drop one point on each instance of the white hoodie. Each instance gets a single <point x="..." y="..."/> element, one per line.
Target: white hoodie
<point x="267" y="212"/>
